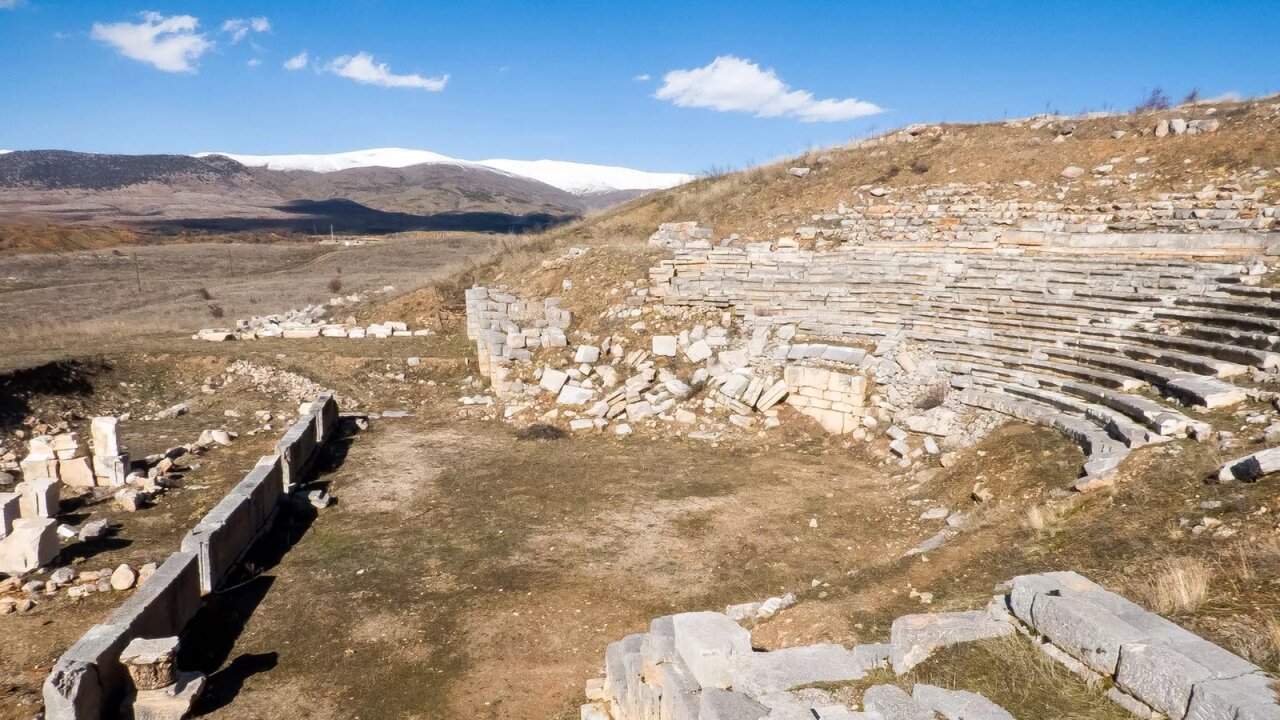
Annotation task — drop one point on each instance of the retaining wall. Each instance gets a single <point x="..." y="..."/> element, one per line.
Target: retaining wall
<point x="88" y="681"/>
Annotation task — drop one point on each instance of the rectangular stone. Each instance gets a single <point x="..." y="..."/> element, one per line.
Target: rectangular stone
<point x="220" y="538"/>
<point x="110" y="470"/>
<point x="105" y="436"/>
<point x="76" y="472"/>
<point x="10" y="510"/>
<point x="165" y="602"/>
<point x="38" y="497"/>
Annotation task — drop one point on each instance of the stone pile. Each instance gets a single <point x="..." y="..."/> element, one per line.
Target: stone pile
<point x="506" y="330"/>
<point x="681" y="235"/>
<point x="28" y="531"/>
<point x="701" y="665"/>
<point x="349" y="329"/>
<point x="1182" y="126"/>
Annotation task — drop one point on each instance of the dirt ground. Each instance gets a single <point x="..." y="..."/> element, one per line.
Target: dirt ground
<point x="53" y="305"/>
<point x="468" y="572"/>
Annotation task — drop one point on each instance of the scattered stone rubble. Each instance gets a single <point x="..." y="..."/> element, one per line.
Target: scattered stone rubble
<point x="311" y="322"/>
<point x="701" y="665"/>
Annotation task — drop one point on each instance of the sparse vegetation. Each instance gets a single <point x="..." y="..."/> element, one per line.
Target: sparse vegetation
<point x="335" y="284"/>
<point x="1155" y="100"/>
<point x="1177" y="585"/>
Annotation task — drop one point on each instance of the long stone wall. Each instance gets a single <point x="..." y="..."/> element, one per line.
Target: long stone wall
<point x="88" y="681"/>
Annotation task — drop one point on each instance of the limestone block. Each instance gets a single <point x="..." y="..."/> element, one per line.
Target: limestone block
<point x="77" y="472"/>
<point x="705" y="641"/>
<point x="36" y="468"/>
<point x="958" y="704"/>
<point x="104" y="435"/>
<point x="698" y="351"/>
<point x="67" y="446"/>
<point x="680" y="692"/>
<point x="32" y="543"/>
<point x="718" y="704"/>
<point x="552" y="380"/>
<point x="892" y="703"/>
<point x="617" y="661"/>
<point x="573" y="395"/>
<point x="10" y="510"/>
<point x="664" y="345"/>
<point x="111" y="470"/>
<point x="764" y="672"/>
<point x="913" y="638"/>
<point x="38" y="498"/>
<point x="587" y="354"/>
<point x="164" y="603"/>
<point x="1248" y="697"/>
<point x="171" y="703"/>
<point x="1251" y="467"/>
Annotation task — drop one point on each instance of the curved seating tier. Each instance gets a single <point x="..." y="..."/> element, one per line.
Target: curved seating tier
<point x="1103" y="350"/>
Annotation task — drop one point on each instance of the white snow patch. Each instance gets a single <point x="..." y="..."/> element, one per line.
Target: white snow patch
<point x="584" y="178"/>
<point x="576" y="178"/>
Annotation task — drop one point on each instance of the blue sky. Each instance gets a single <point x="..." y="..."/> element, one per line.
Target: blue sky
<point x="542" y="79"/>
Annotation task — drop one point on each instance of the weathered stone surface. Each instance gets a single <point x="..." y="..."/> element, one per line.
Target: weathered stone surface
<point x="664" y="345"/>
<point x="913" y="638"/>
<point x="892" y="703"/>
<point x="718" y="704"/>
<point x="31" y="543"/>
<point x="173" y="703"/>
<point x="762" y="672"/>
<point x="151" y="663"/>
<point x="705" y="642"/>
<point x="958" y="704"/>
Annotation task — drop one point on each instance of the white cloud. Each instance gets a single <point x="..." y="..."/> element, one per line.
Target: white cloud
<point x="362" y="68"/>
<point x="297" y="62"/>
<point x="239" y="28"/>
<point x="733" y="84"/>
<point x="11" y="4"/>
<point x="253" y="62"/>
<point x="170" y="44"/>
<point x="642" y="77"/>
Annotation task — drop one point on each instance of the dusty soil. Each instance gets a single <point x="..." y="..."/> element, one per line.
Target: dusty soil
<point x="56" y="305"/>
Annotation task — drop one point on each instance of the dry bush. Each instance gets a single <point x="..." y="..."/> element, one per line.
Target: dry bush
<point x="1177" y="585"/>
<point x="216" y="311"/>
<point x="932" y="397"/>
<point x="1155" y="100"/>
<point x="204" y="294"/>
<point x="335" y="285"/>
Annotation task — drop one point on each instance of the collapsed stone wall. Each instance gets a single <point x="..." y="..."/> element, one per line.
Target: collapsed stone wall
<point x="88" y="680"/>
<point x="701" y="665"/>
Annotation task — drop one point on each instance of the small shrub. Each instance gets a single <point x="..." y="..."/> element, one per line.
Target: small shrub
<point x="932" y="397"/>
<point x="204" y="294"/>
<point x="1178" y="585"/>
<point x="216" y="311"/>
<point x="1192" y="97"/>
<point x="1155" y="100"/>
<point x="541" y="431"/>
<point x="335" y="285"/>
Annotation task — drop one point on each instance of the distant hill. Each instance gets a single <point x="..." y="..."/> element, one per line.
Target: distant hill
<point x="214" y="192"/>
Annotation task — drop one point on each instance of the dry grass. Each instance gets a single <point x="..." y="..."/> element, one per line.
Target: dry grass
<point x="1010" y="672"/>
<point x="1177" y="585"/>
<point x="94" y="301"/>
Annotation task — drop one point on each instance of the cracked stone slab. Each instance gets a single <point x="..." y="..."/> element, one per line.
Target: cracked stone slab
<point x="958" y="704"/>
<point x="763" y="672"/>
<point x="913" y="638"/>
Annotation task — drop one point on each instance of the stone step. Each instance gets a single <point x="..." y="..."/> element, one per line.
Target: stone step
<point x="1102" y="453"/>
<point x="1116" y="424"/>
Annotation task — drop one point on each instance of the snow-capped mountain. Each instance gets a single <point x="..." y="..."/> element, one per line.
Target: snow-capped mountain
<point x="572" y="177"/>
